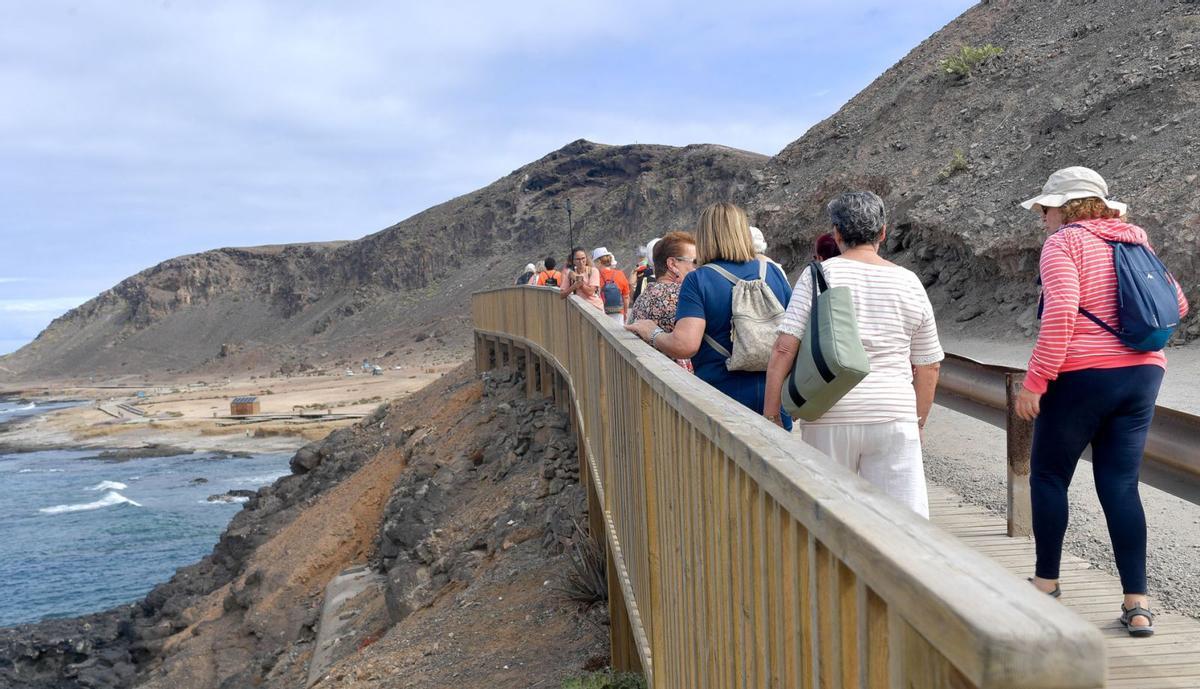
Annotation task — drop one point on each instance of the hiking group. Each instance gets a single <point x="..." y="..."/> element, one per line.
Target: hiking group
<point x="848" y="355"/>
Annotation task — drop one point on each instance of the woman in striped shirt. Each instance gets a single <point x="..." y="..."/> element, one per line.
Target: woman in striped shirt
<point x="1085" y="387"/>
<point x="875" y="430"/>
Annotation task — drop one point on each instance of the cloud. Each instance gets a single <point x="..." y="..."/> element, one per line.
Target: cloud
<point x="56" y="305"/>
<point x="10" y="281"/>
<point x="135" y="132"/>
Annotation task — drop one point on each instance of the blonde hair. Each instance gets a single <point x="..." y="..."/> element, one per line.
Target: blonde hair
<point x="723" y="234"/>
<point x="1090" y="208"/>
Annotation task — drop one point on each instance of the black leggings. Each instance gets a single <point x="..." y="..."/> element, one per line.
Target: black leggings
<point x="1110" y="409"/>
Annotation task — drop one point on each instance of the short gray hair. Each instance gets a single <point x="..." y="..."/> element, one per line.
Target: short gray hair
<point x="859" y="217"/>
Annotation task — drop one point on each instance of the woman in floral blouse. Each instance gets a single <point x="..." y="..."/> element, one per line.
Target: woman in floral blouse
<point x="674" y="257"/>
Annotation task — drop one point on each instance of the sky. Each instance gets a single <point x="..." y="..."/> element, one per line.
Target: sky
<point x="135" y="131"/>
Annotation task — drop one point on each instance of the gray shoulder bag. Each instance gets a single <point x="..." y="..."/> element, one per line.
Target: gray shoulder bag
<point x="831" y="360"/>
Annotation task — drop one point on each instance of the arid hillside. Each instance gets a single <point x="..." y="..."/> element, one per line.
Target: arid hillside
<point x="296" y="306"/>
<point x="1103" y="83"/>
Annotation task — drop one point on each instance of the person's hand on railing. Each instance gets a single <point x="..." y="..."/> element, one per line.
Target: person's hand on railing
<point x="1029" y="404"/>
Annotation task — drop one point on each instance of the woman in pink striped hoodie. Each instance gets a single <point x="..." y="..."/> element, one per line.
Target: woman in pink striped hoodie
<point x="1085" y="387"/>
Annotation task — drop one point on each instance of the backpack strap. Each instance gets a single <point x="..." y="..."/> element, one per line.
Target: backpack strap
<point x="723" y="273"/>
<point x="762" y="269"/>
<point x="717" y="346"/>
<point x="733" y="279"/>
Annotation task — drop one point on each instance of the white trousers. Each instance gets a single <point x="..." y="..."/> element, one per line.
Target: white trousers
<point x="618" y="318"/>
<point x="887" y="455"/>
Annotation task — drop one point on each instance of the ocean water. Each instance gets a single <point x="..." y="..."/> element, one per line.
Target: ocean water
<point x="80" y="535"/>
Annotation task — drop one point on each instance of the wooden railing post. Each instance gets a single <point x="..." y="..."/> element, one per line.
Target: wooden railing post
<point x="481" y="354"/>
<point x="1020" y="442"/>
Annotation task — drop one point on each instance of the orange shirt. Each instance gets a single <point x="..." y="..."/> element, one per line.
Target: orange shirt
<point x="618" y="277"/>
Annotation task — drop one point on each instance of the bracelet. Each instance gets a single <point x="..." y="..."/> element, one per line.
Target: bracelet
<point x="656" y="333"/>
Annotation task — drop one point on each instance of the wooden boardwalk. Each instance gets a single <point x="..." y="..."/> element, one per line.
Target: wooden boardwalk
<point x="1169" y="659"/>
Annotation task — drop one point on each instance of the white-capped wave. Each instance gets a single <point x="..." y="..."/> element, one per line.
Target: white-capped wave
<point x="29" y="407"/>
<point x="39" y="471"/>
<point x="110" y="498"/>
<point x="109" y="485"/>
<point x="263" y="479"/>
<point x="226" y="500"/>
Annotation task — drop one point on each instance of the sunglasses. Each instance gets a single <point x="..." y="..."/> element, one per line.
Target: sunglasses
<point x="686" y="259"/>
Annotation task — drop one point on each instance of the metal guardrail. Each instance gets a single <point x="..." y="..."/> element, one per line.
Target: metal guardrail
<point x="1172" y="458"/>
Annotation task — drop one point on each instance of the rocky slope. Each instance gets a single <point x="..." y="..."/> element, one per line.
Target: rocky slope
<point x="322" y="304"/>
<point x="1103" y="83"/>
<point x="453" y="500"/>
<point x="1095" y="82"/>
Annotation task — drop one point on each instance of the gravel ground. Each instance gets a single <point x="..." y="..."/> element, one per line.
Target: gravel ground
<point x="968" y="456"/>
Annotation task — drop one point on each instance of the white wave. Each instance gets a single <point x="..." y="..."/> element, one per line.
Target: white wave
<point x="226" y="500"/>
<point x="109" y="485"/>
<point x="111" y="498"/>
<point x="29" y="407"/>
<point x="39" y="471"/>
<point x="262" y="480"/>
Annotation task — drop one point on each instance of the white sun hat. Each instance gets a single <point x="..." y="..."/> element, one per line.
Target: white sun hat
<point x="529" y="268"/>
<point x="1072" y="183"/>
<point x="650" y="248"/>
<point x="759" y="241"/>
<point x="600" y="252"/>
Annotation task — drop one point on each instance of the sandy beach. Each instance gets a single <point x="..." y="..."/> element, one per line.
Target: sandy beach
<point x="195" y="416"/>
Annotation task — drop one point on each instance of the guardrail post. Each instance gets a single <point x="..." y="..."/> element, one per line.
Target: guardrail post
<point x="1020" y="444"/>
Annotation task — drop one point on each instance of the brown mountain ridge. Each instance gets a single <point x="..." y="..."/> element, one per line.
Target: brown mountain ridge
<point x="1101" y="83"/>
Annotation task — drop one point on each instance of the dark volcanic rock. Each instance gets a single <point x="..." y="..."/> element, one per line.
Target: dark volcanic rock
<point x="1129" y="108"/>
<point x="232" y="495"/>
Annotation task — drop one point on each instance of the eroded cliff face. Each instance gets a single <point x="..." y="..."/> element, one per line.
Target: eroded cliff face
<point x="258" y="308"/>
<point x="1103" y="83"/>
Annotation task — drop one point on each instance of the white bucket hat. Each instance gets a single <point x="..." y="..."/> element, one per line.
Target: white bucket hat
<point x="1072" y="183"/>
<point x="759" y="241"/>
<point x="600" y="252"/>
<point x="650" y="248"/>
<point x="529" y="268"/>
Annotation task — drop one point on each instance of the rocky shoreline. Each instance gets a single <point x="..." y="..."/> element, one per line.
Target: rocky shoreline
<point x="454" y="501"/>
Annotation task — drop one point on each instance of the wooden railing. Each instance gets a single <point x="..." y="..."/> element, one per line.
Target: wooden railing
<point x="740" y="557"/>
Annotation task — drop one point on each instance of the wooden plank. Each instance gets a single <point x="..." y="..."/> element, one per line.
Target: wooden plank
<point x="848" y="623"/>
<point x="790" y="602"/>
<point x="774" y="595"/>
<point x="877" y="640"/>
<point x="825" y="601"/>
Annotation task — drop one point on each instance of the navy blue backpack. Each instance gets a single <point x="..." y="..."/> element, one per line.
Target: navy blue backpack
<point x="1147" y="307"/>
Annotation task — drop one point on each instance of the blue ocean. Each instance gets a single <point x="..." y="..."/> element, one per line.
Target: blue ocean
<point x="80" y="534"/>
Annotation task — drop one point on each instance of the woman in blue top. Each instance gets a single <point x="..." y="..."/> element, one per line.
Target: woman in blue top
<point x="706" y="306"/>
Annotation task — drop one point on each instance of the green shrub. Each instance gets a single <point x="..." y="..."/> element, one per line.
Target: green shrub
<point x="606" y="680"/>
<point x="957" y="164"/>
<point x="587" y="580"/>
<point x="968" y="58"/>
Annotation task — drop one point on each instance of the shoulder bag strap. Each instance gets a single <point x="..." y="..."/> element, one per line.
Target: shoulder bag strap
<point x="819" y="286"/>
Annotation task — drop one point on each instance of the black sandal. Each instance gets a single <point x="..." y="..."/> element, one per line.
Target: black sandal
<point x="1053" y="594"/>
<point x="1127" y="615"/>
